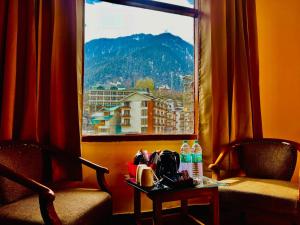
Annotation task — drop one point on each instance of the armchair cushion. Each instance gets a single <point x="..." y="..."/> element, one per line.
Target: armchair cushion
<point x="75" y="206"/>
<point x="260" y="194"/>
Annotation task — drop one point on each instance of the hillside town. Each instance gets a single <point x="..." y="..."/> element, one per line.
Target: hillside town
<point x="115" y="110"/>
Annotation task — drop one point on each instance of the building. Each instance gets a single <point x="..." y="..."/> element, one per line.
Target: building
<point x="95" y="99"/>
<point x="171" y="117"/>
<point x="160" y="117"/>
<point x="179" y="114"/>
<point x="136" y="113"/>
<point x="142" y="113"/>
<point x="129" y="112"/>
<point x="188" y="104"/>
<point x="106" y="121"/>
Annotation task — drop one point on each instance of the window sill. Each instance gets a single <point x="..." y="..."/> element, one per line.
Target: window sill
<point x="134" y="137"/>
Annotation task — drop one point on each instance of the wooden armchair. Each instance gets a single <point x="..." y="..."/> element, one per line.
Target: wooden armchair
<point x="27" y="196"/>
<point x="258" y="173"/>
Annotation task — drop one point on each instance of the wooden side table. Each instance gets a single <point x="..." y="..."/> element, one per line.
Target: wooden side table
<point x="207" y="194"/>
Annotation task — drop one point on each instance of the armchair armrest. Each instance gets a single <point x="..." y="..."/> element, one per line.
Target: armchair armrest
<point x="93" y="165"/>
<point x="100" y="171"/>
<point x="216" y="166"/>
<point x="29" y="183"/>
<point x="46" y="195"/>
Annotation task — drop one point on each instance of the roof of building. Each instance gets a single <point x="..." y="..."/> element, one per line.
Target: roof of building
<point x="105" y="109"/>
<point x="136" y="93"/>
<point x="111" y="108"/>
<point x="96" y="120"/>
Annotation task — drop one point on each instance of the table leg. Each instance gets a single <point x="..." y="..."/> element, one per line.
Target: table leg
<point x="157" y="208"/>
<point x="137" y="206"/>
<point x="184" y="207"/>
<point x="215" y="207"/>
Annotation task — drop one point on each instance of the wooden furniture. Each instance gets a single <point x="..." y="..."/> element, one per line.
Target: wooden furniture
<point x="260" y="190"/>
<point x="28" y="195"/>
<point x="208" y="194"/>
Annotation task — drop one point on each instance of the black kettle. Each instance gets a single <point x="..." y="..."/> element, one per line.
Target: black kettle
<point x="167" y="164"/>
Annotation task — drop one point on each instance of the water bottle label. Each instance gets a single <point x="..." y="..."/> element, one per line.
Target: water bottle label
<point x="182" y="158"/>
<point x="185" y="158"/>
<point x="188" y="157"/>
<point x="197" y="158"/>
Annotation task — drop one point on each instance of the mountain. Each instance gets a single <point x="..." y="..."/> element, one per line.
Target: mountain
<point x="164" y="57"/>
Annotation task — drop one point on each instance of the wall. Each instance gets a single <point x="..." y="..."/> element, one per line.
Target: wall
<point x="279" y="61"/>
<point x="115" y="156"/>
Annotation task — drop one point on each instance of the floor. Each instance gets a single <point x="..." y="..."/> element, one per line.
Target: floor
<point x="200" y="212"/>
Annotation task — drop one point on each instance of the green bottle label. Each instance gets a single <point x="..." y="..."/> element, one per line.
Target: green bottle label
<point x="185" y="158"/>
<point x="182" y="158"/>
<point x="188" y="157"/>
<point x="197" y="158"/>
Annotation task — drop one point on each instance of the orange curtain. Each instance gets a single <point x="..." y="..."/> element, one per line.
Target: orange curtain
<point x="229" y="75"/>
<point x="17" y="70"/>
<point x="40" y="77"/>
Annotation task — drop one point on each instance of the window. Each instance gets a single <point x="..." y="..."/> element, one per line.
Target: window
<point x="144" y="103"/>
<point x="144" y="129"/>
<point x="103" y="130"/>
<point x="144" y="112"/>
<point x="126" y="122"/>
<point x="140" y="54"/>
<point x="126" y="104"/>
<point x="126" y="113"/>
<point x="144" y="121"/>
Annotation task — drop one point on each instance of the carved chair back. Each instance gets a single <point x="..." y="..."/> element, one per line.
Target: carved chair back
<point x="27" y="159"/>
<point x="267" y="158"/>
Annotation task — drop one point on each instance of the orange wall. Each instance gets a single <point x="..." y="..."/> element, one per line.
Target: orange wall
<point x="279" y="56"/>
<point x="115" y="155"/>
<point x="279" y="60"/>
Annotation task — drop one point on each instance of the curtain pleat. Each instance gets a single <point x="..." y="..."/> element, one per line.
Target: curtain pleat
<point x="45" y="16"/>
<point x="253" y="61"/>
<point x="60" y="90"/>
<point x="39" y="76"/>
<point x="229" y="80"/>
<point x="25" y="99"/>
<point x="17" y="70"/>
<point x="9" y="62"/>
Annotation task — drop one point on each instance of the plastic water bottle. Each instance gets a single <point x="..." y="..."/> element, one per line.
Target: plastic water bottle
<point x="183" y="151"/>
<point x="185" y="158"/>
<point x="197" y="161"/>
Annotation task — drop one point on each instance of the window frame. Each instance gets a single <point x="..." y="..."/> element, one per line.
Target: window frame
<point x="168" y="8"/>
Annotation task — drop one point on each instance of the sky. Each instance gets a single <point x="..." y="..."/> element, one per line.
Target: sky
<point x="106" y="20"/>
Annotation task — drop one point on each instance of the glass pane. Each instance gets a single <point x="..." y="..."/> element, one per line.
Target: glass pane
<point x="186" y="3"/>
<point x="138" y="71"/>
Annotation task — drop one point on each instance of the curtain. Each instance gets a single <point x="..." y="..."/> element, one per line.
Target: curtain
<point x="229" y="104"/>
<point x="17" y="70"/>
<point x="40" y="76"/>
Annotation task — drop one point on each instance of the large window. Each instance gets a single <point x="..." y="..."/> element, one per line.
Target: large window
<point x="139" y="59"/>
